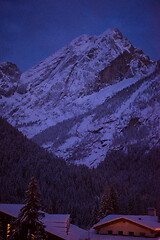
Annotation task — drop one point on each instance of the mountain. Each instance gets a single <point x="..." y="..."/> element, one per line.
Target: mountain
<point x="95" y="95"/>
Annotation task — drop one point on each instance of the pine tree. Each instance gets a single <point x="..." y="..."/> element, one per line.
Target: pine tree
<point x="108" y="203"/>
<point x="113" y="201"/>
<point x="29" y="225"/>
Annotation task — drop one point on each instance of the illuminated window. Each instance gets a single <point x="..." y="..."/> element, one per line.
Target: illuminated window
<point x="8" y="230"/>
<point x="32" y="236"/>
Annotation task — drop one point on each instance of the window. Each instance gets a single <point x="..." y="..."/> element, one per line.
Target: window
<point x="110" y="232"/>
<point x="8" y="229"/>
<point x="131" y="233"/>
<point x="120" y="233"/>
<point x="142" y="234"/>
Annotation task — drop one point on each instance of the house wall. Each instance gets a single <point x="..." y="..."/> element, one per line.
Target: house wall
<point x="126" y="227"/>
<point x="4" y="221"/>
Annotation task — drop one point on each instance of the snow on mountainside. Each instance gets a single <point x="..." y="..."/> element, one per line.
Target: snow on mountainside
<point x="96" y="94"/>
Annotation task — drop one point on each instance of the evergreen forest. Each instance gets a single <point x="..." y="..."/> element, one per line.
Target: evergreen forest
<point x="133" y="172"/>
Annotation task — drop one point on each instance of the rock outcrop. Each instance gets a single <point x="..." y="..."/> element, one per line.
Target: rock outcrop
<point x="9" y="78"/>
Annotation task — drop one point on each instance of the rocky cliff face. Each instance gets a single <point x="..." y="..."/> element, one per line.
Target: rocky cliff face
<point x="9" y="78"/>
<point x="96" y="94"/>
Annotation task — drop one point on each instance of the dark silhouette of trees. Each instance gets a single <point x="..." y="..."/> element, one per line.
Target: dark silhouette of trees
<point x="28" y="225"/>
<point x="67" y="188"/>
<point x="108" y="203"/>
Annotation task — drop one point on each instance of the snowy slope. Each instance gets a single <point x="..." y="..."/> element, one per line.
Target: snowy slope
<point x="83" y="100"/>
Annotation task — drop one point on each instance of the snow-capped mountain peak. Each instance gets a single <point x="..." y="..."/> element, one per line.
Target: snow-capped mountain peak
<point x="76" y="101"/>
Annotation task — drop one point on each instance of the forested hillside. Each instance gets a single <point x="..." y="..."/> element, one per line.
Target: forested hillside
<point x="134" y="175"/>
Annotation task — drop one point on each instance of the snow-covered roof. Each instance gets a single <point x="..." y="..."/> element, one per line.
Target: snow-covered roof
<point x="76" y="233"/>
<point x="57" y="224"/>
<point x="14" y="210"/>
<point x="56" y="218"/>
<point x="144" y="220"/>
<point x="11" y="209"/>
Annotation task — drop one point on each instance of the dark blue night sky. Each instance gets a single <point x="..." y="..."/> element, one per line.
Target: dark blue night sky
<point x="31" y="30"/>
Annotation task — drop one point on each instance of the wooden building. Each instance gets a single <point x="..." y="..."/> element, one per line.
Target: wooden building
<point x="58" y="226"/>
<point x="112" y="227"/>
<point x="128" y="225"/>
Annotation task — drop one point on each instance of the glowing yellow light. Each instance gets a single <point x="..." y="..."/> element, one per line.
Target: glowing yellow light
<point x="8" y="229"/>
<point x="32" y="236"/>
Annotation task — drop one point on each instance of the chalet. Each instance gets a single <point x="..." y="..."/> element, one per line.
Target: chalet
<point x="141" y="226"/>
<point x="58" y="226"/>
<point x="112" y="227"/>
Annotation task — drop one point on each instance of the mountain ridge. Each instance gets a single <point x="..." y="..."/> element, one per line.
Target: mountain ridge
<point x="87" y="93"/>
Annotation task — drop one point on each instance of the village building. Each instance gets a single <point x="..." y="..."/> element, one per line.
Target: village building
<point x="58" y="226"/>
<point x="112" y="227"/>
<point x="128" y="226"/>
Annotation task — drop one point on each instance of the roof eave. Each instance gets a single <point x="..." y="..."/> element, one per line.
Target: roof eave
<point x="96" y="226"/>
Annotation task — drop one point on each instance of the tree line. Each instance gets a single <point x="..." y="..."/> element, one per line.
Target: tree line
<point x="132" y="174"/>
